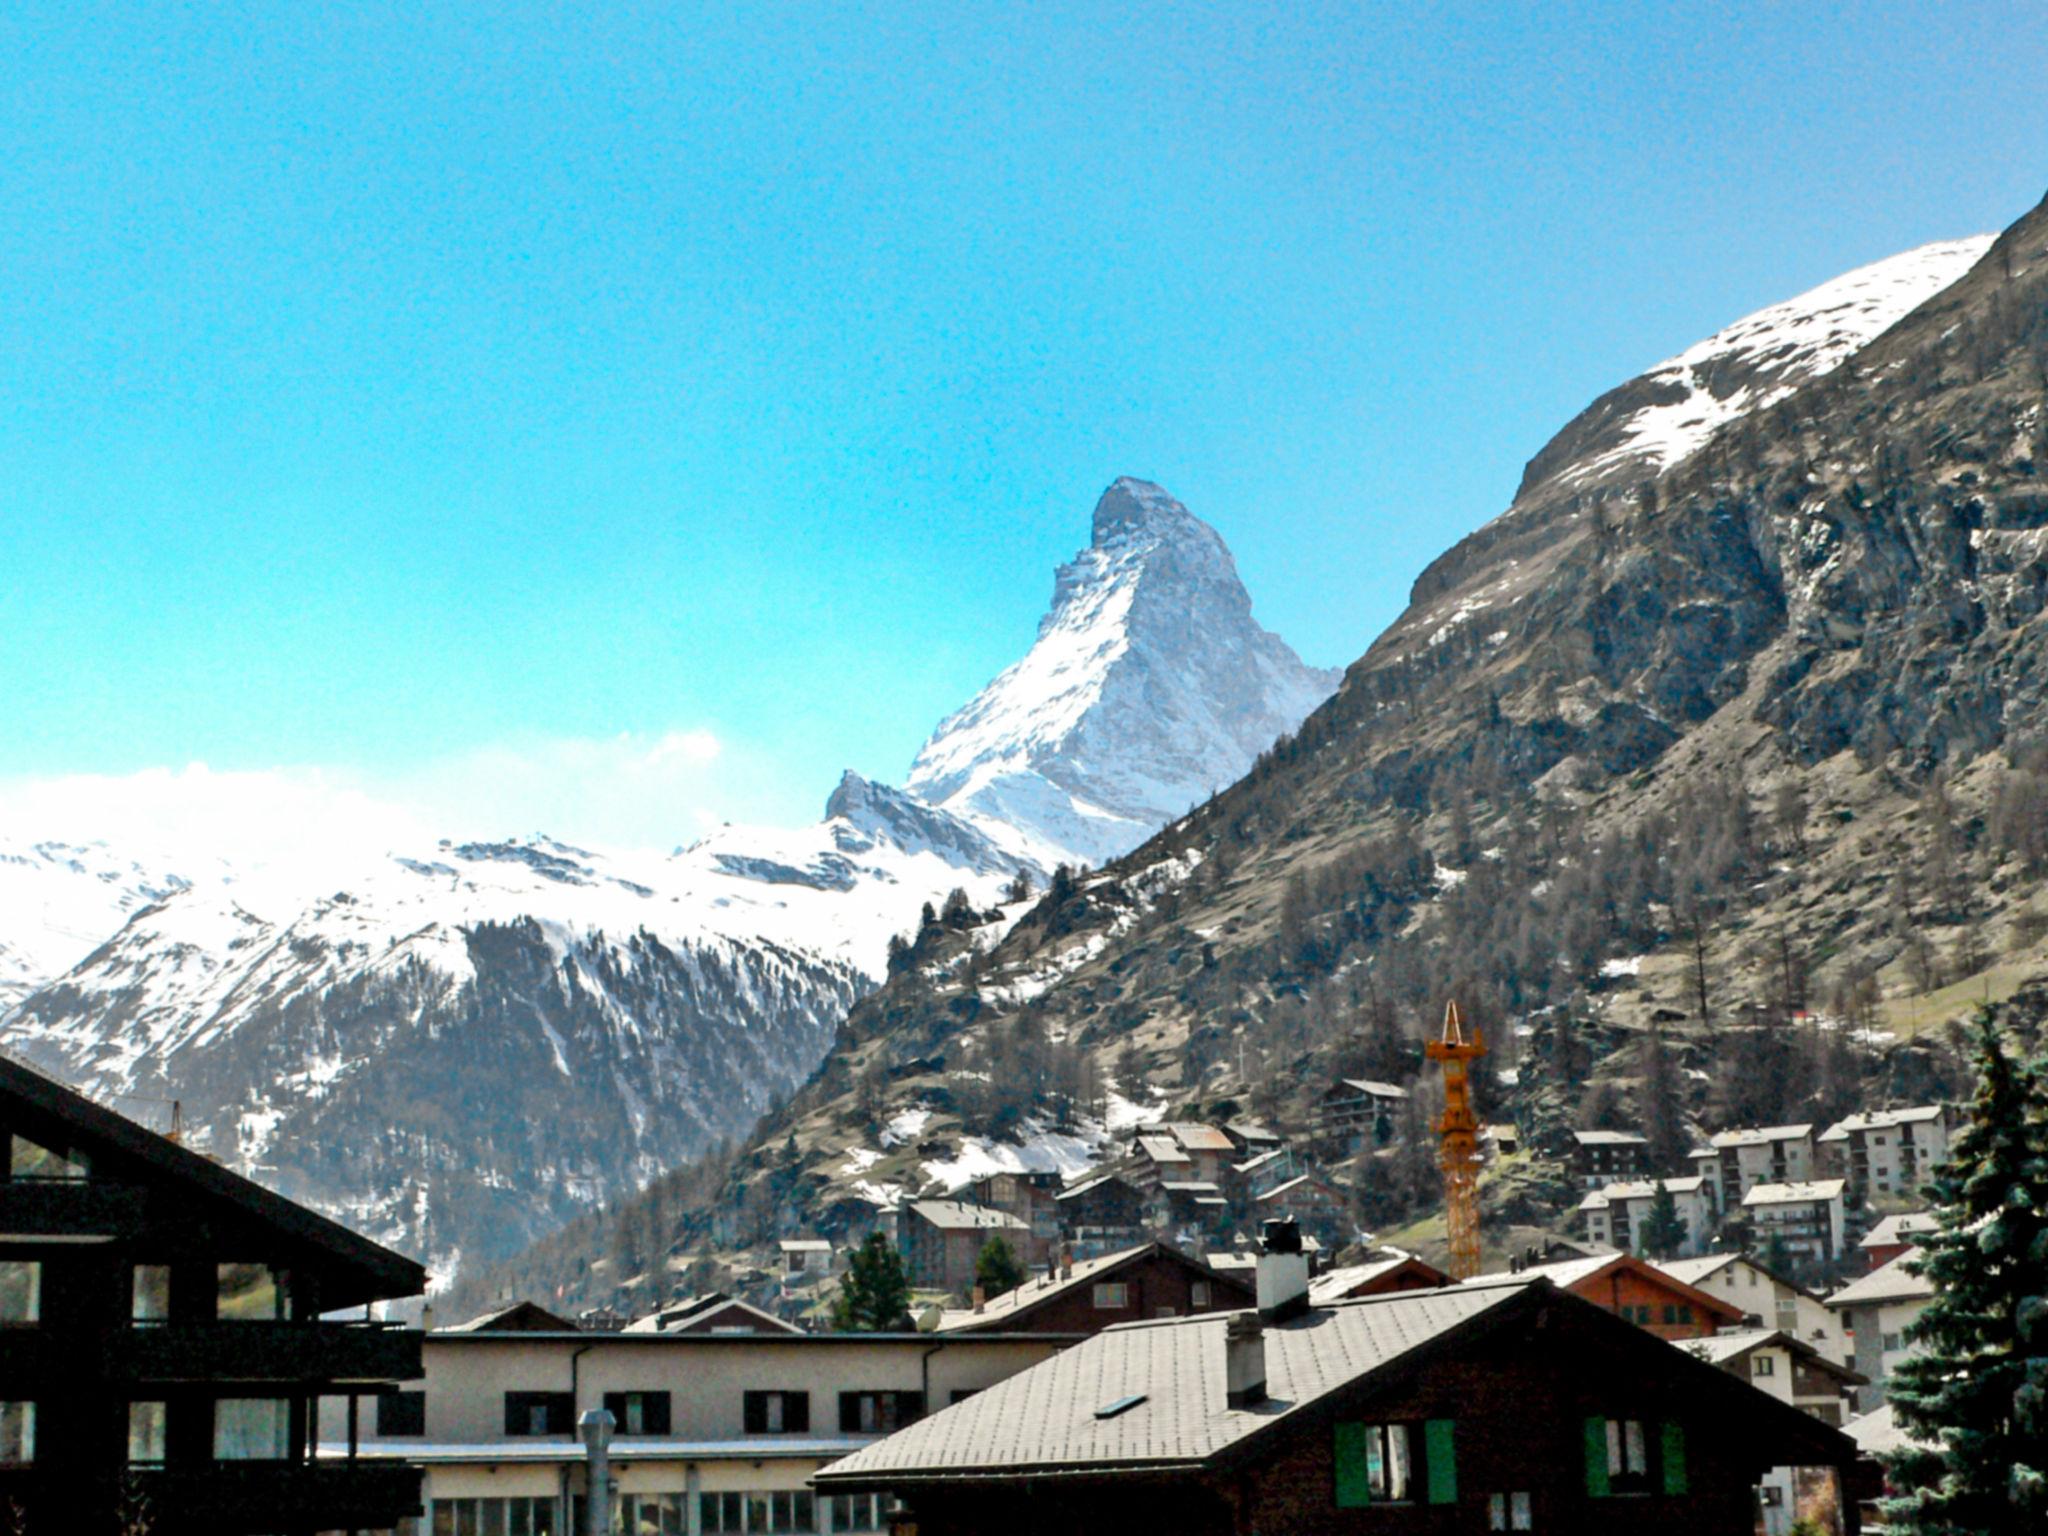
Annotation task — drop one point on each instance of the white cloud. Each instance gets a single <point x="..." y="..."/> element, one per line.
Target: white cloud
<point x="630" y="789"/>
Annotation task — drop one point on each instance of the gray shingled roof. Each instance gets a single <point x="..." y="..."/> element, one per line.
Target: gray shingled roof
<point x="1046" y="1417"/>
<point x="960" y="1215"/>
<point x="1888" y="1282"/>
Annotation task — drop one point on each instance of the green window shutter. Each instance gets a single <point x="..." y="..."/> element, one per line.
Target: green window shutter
<point x="1596" y="1458"/>
<point x="1674" y="1458"/>
<point x="1443" y="1462"/>
<point x="1354" y="1482"/>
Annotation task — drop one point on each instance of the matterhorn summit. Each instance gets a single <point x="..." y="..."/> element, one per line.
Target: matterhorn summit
<point x="1150" y="686"/>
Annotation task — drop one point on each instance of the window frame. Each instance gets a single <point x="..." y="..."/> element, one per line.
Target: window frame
<point x="1111" y="1296"/>
<point x="760" y="1404"/>
<point x="32" y="1308"/>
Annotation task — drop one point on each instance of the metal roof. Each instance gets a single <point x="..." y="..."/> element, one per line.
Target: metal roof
<point x="1046" y="1417"/>
<point x="1901" y="1228"/>
<point x="1800" y="1192"/>
<point x="1888" y="1282"/>
<point x="1037" y="1291"/>
<point x="1882" y="1119"/>
<point x="1609" y="1139"/>
<point x="1339" y="1284"/>
<point x="1373" y="1090"/>
<point x="959" y="1215"/>
<point x="1760" y="1135"/>
<point x="1201" y="1138"/>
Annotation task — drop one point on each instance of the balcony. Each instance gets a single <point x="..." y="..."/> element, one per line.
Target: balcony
<point x="296" y="1352"/>
<point x="73" y="1208"/>
<point x="274" y="1495"/>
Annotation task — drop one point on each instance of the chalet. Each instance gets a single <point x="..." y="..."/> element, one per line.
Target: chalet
<point x="712" y="1312"/>
<point x="1153" y="1280"/>
<point x="1503" y="1405"/>
<point x="517" y="1317"/>
<point x="1031" y="1197"/>
<point x="1357" y="1110"/>
<point x="1251" y="1178"/>
<point x="1377" y="1277"/>
<point x="943" y="1239"/>
<point x="804" y="1259"/>
<point x="1618" y="1214"/>
<point x="1877" y="1309"/>
<point x="1637" y="1291"/>
<point x="1769" y="1299"/>
<point x="1739" y="1160"/>
<point x="715" y="1433"/>
<point x="1893" y="1236"/>
<point x="1318" y="1206"/>
<point x="1156" y="1158"/>
<point x="1251" y="1138"/>
<point x="1102" y="1213"/>
<point x="165" y="1342"/>
<point x="1604" y="1157"/>
<point x="1209" y="1151"/>
<point x="1890" y="1154"/>
<point x="1794" y="1373"/>
<point x="1806" y="1219"/>
<point x="1188" y="1205"/>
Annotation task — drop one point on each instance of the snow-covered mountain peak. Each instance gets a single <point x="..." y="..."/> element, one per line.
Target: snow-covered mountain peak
<point x="1664" y="414"/>
<point x="1149" y="686"/>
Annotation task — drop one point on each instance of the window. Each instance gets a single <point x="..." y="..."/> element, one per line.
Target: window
<point x="402" y="1413"/>
<point x="524" y="1516"/>
<point x="720" y="1513"/>
<point x="852" y="1512"/>
<point x="251" y="1293"/>
<point x="145" y="1433"/>
<point x="1508" y="1512"/>
<point x="1112" y="1296"/>
<point x="1889" y="1342"/>
<point x="150" y="1295"/>
<point x="1628" y="1456"/>
<point x="1198" y="1293"/>
<point x="17" y="1434"/>
<point x="1395" y="1464"/>
<point x="659" y="1514"/>
<point x="21" y="1291"/>
<point x="777" y="1413"/>
<point x="32" y="1160"/>
<point x="540" y="1413"/>
<point x="638" y="1413"/>
<point x="1762" y="1365"/>
<point x="1773" y="1495"/>
<point x="878" y="1413"/>
<point x="251" y="1429"/>
<point x="1673" y="1313"/>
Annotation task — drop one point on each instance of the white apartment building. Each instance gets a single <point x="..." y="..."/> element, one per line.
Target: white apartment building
<point x="717" y="1434"/>
<point x="1741" y="1159"/>
<point x="1888" y="1155"/>
<point x="1770" y="1299"/>
<point x="1877" y="1309"/>
<point x="1808" y="1218"/>
<point x="1616" y="1215"/>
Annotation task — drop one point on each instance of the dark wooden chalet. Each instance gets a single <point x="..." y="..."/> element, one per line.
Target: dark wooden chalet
<point x="1504" y="1406"/>
<point x="162" y="1343"/>
<point x="1154" y="1280"/>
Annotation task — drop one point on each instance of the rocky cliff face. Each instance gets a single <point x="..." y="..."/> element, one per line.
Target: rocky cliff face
<point x="1149" y="687"/>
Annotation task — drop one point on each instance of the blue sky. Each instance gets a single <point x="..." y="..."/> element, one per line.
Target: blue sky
<point x="678" y="403"/>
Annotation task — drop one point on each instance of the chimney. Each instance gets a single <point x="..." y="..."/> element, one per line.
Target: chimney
<point x="1244" y="1360"/>
<point x="980" y="1298"/>
<point x="1282" y="1273"/>
<point x="1066" y="1261"/>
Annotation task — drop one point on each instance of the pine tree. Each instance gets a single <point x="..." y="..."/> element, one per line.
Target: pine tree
<point x="1663" y="1229"/>
<point x="996" y="1268"/>
<point x="875" y="1295"/>
<point x="1975" y="1392"/>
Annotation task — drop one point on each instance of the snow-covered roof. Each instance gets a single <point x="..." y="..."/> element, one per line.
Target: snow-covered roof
<point x="1800" y="1192"/>
<point x="1609" y="1139"/>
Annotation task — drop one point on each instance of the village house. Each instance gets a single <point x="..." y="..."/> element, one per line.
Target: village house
<point x="1101" y="1213"/>
<point x="1252" y="1138"/>
<point x="1607" y="1157"/>
<point x="1031" y="1197"/>
<point x="1356" y="1112"/>
<point x="716" y="1434"/>
<point x="1157" y="1157"/>
<point x="167" y="1337"/>
<point x="1888" y="1155"/>
<point x="1638" y="1292"/>
<point x="1618" y="1214"/>
<point x="1500" y="1405"/>
<point x="1767" y="1298"/>
<point x="804" y="1260"/>
<point x="1259" y="1173"/>
<point x="1321" y="1209"/>
<point x="516" y="1317"/>
<point x="1209" y="1151"/>
<point x="1793" y="1372"/>
<point x="712" y="1312"/>
<point x="1152" y="1280"/>
<point x="1877" y="1309"/>
<point x="943" y="1239"/>
<point x="1190" y="1206"/>
<point x="1893" y="1236"/>
<point x="1806" y="1219"/>
<point x="1739" y="1160"/>
<point x="1375" y="1277"/>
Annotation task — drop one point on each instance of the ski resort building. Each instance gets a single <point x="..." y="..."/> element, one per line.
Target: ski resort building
<point x="165" y="1342"/>
<point x="1886" y="1156"/>
<point x="1617" y="1215"/>
<point x="1607" y="1157"/>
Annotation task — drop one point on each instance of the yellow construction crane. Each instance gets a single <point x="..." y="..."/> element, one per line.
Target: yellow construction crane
<point x="1457" y="1132"/>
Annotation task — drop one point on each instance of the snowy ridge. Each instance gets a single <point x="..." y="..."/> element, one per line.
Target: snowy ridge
<point x="1149" y="686"/>
<point x="60" y="901"/>
<point x="1765" y="356"/>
